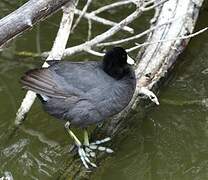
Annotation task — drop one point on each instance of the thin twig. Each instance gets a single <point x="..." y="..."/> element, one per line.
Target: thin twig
<point x="89" y="44"/>
<point x="110" y="6"/>
<point x="89" y="29"/>
<point x="136" y="36"/>
<point x="150" y="2"/>
<point x="100" y="38"/>
<point x="95" y="52"/>
<point x="84" y="10"/>
<point x="155" y="5"/>
<point x="102" y="20"/>
<point x="166" y="40"/>
<point x="149" y="43"/>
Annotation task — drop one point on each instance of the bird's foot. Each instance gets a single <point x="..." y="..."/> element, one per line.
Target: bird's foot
<point x="96" y="146"/>
<point x="84" y="156"/>
<point x="88" y="151"/>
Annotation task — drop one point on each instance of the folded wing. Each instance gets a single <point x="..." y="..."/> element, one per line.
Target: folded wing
<point x="42" y="81"/>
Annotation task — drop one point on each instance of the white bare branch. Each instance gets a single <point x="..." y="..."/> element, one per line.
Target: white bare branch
<point x="100" y="38"/>
<point x="102" y="20"/>
<point x="148" y="43"/>
<point x="145" y="91"/>
<point x="110" y="6"/>
<point x="150" y="2"/>
<point x="89" y="29"/>
<point x="155" y="5"/>
<point x="84" y="10"/>
<point x="138" y="35"/>
<point x="167" y="40"/>
<point x="89" y="44"/>
<point x="95" y="52"/>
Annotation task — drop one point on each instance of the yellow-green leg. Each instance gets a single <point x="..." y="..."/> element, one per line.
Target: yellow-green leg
<point x="86" y="138"/>
<point x="86" y="149"/>
<point x="83" y="155"/>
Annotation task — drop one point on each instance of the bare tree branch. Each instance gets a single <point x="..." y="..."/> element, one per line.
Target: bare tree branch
<point x="146" y="43"/>
<point x="26" y="16"/>
<point x="95" y="53"/>
<point x="110" y="6"/>
<point x="102" y="20"/>
<point x="136" y="36"/>
<point x="84" y="10"/>
<point x="89" y="44"/>
<point x="89" y="29"/>
<point x="155" y="5"/>
<point x="166" y="40"/>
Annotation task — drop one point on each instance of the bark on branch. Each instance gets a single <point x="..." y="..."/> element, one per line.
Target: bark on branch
<point x="26" y="16"/>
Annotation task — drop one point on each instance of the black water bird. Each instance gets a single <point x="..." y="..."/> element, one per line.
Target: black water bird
<point x="85" y="93"/>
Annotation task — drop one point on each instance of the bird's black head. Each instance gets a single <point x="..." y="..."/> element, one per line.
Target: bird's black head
<point x="116" y="62"/>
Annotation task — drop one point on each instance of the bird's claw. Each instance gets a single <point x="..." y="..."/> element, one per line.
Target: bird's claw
<point x="84" y="158"/>
<point x="96" y="145"/>
<point x="87" y="151"/>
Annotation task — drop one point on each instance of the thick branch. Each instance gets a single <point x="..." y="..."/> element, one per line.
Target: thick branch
<point x="26" y="16"/>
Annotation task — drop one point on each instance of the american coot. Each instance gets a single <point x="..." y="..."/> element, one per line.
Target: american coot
<point x="85" y="93"/>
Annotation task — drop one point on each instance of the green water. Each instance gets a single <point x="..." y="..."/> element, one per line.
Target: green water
<point x="168" y="142"/>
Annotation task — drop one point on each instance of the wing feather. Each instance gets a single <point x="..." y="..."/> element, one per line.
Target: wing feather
<point x="42" y="81"/>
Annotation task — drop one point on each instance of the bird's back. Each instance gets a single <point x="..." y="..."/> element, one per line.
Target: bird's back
<point x="81" y="75"/>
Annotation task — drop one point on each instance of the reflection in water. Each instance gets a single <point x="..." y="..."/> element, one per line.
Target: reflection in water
<point x="42" y="138"/>
<point x="7" y="176"/>
<point x="18" y="156"/>
<point x="9" y="94"/>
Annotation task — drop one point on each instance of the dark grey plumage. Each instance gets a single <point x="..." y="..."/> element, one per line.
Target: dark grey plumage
<point x="84" y="93"/>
